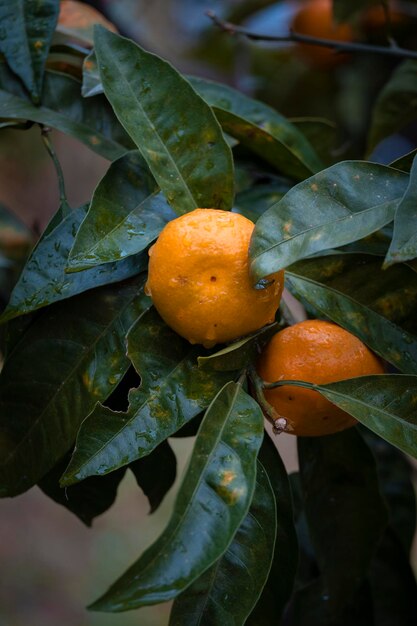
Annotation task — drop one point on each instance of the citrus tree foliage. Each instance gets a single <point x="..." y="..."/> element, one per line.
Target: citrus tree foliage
<point x="94" y="382"/>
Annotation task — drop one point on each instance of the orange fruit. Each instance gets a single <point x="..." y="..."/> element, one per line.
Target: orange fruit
<point x="315" y="18"/>
<point x="316" y="352"/>
<point x="374" y="17"/>
<point x="77" y="19"/>
<point x="199" y="278"/>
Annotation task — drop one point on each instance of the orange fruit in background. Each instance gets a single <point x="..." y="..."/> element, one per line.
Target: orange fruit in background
<point x="374" y="17"/>
<point x="78" y="19"/>
<point x="315" y="18"/>
<point x="317" y="352"/>
<point x="199" y="278"/>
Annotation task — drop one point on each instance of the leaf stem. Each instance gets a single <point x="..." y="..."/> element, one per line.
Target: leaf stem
<point x="340" y="46"/>
<point x="45" y="134"/>
<point x="279" y="422"/>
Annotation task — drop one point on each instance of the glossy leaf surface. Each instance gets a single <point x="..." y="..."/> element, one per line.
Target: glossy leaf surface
<point x="279" y="585"/>
<point x="185" y="150"/>
<point x="72" y="356"/>
<point x="396" y="105"/>
<point x="44" y="281"/>
<point x="172" y="392"/>
<point x="227" y="592"/>
<point x="239" y="354"/>
<point x="155" y="473"/>
<point x="255" y="200"/>
<point x="26" y="30"/>
<point x="90" y="121"/>
<point x="341" y="204"/>
<point x="262" y="129"/>
<point x="212" y="502"/>
<point x="335" y="489"/>
<point x="379" y="310"/>
<point x="404" y="242"/>
<point x="126" y="213"/>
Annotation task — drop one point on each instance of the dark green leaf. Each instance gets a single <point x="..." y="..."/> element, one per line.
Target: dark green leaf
<point x="43" y="279"/>
<point x="174" y="129"/>
<point x="91" y="121"/>
<point x="212" y="502"/>
<point x="227" y="592"/>
<point x="341" y="204"/>
<point x="173" y="391"/>
<point x="386" y="404"/>
<point x="239" y="354"/>
<point x="393" y="584"/>
<point x="347" y="10"/>
<point x="321" y="133"/>
<point x="69" y="358"/>
<point x="262" y="129"/>
<point x="126" y="213"/>
<point x="155" y="473"/>
<point x="396" y="105"/>
<point x="26" y="29"/>
<point x="280" y="582"/>
<point x="404" y="242"/>
<point x="86" y="500"/>
<point x="405" y="162"/>
<point x="253" y="202"/>
<point x="379" y="310"/>
<point x="335" y="489"/>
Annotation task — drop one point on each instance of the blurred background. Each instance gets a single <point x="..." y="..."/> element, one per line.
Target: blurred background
<point x="51" y="566"/>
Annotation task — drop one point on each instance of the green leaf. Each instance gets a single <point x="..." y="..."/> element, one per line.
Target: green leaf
<point x="174" y="129"/>
<point x="15" y="237"/>
<point x="227" y="592"/>
<point x="211" y="504"/>
<point x="86" y="500"/>
<point x="69" y="358"/>
<point x="335" y="489"/>
<point x="26" y="29"/>
<point x="341" y="204"/>
<point x="43" y="279"/>
<point x="155" y="473"/>
<point x="321" y="133"/>
<point x="238" y="355"/>
<point x="385" y="403"/>
<point x="126" y="213"/>
<point x="172" y="392"/>
<point x="348" y="10"/>
<point x="253" y="202"/>
<point x="404" y="242"/>
<point x="405" y="162"/>
<point x="90" y="121"/>
<point x="260" y="128"/>
<point x="91" y="77"/>
<point x="396" y="105"/>
<point x="275" y="595"/>
<point x="380" y="311"/>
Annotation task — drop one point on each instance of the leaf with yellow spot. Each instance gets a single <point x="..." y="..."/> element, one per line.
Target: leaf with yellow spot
<point x="204" y="521"/>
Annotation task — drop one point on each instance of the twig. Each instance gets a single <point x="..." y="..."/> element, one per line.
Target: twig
<point x="293" y="37"/>
<point x="64" y="206"/>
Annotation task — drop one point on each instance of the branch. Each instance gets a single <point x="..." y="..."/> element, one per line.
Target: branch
<point x="64" y="206"/>
<point x="293" y="37"/>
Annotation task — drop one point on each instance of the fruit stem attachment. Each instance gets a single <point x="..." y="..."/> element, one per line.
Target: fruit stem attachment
<point x="339" y="46"/>
<point x="279" y="422"/>
<point x="45" y="134"/>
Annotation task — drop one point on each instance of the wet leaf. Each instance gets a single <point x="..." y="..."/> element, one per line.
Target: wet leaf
<point x="341" y="204"/>
<point x="174" y="129"/>
<point x="43" y="279"/>
<point x="227" y="592"/>
<point x="88" y="499"/>
<point x="279" y="585"/>
<point x="260" y="128"/>
<point x="380" y="311"/>
<point x="90" y="121"/>
<point x="172" y="392"/>
<point x="335" y="489"/>
<point x="211" y="504"/>
<point x="26" y="30"/>
<point x="396" y="105"/>
<point x="155" y="473"/>
<point x="404" y="242"/>
<point x="385" y="403"/>
<point x="239" y="354"/>
<point x="126" y="214"/>
<point x="72" y="356"/>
